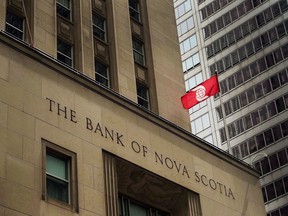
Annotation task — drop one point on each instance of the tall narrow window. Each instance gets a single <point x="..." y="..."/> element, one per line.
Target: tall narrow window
<point x="102" y="74"/>
<point x="59" y="176"/>
<point x="134" y="9"/>
<point x="15" y="25"/>
<point x="99" y="27"/>
<point x="138" y="52"/>
<point x="142" y="95"/>
<point x="64" y="52"/>
<point x="64" y="8"/>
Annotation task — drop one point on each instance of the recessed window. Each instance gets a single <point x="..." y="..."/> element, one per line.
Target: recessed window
<point x="128" y="207"/>
<point x="15" y="25"/>
<point x="59" y="176"/>
<point x="64" y="8"/>
<point x="142" y="95"/>
<point x="134" y="9"/>
<point x="64" y="52"/>
<point x="102" y="74"/>
<point x="138" y="52"/>
<point x="99" y="27"/>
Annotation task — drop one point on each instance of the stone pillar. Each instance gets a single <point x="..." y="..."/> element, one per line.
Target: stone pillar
<point x="111" y="188"/>
<point x="194" y="204"/>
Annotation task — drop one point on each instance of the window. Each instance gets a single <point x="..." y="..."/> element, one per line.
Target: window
<point x="99" y="27"/>
<point x="64" y="8"/>
<point x="142" y="95"/>
<point x="134" y="9"/>
<point x="138" y="51"/>
<point x="15" y="25"/>
<point x="59" y="176"/>
<point x="128" y="207"/>
<point x="64" y="52"/>
<point x="102" y="74"/>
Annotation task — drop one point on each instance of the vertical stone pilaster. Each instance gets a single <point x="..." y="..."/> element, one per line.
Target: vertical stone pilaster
<point x="194" y="204"/>
<point x="111" y="188"/>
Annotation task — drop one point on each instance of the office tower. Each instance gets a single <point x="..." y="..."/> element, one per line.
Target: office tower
<point x="245" y="42"/>
<point x="91" y="121"/>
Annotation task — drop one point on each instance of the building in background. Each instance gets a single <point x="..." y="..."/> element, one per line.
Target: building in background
<point x="246" y="42"/>
<point x="91" y="121"/>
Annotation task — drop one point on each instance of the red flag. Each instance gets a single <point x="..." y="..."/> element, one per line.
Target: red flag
<point x="201" y="92"/>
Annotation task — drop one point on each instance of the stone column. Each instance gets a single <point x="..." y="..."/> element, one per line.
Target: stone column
<point x="110" y="181"/>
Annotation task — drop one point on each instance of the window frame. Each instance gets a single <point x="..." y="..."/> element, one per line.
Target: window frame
<point x="140" y="98"/>
<point x="7" y="24"/>
<point x="97" y="74"/>
<point x="63" y="54"/>
<point x="71" y="157"/>
<point x="58" y="4"/>
<point x="98" y="28"/>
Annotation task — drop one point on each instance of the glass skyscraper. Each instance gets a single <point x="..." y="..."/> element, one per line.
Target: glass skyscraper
<point x="246" y="43"/>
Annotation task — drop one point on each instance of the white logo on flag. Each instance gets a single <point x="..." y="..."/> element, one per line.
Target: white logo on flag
<point x="200" y="93"/>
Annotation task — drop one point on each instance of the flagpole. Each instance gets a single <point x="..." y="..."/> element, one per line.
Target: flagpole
<point x="224" y="118"/>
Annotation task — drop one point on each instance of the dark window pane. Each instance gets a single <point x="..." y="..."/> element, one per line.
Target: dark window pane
<point x="234" y="14"/>
<point x="246" y="73"/>
<point x="63" y="11"/>
<point x="280" y="30"/>
<point x="283" y="6"/>
<point x="283" y="159"/>
<point x="239" y="78"/>
<point x="268" y="14"/>
<point x="248" y="122"/>
<point x="256" y="3"/>
<point x="219" y="112"/>
<point x="239" y="126"/>
<point x="257" y="44"/>
<point x="223" y="86"/>
<point x="244" y="149"/>
<point x="264" y="194"/>
<point x="268" y="137"/>
<point x="271" y="109"/>
<point x="285" y="180"/>
<point x="255" y="117"/>
<point x="272" y="34"/>
<point x="254" y="69"/>
<point x="260" y="141"/>
<point x="220" y="66"/>
<point x="265" y="166"/>
<point x="277" y="132"/>
<point x="227" y="108"/>
<point x="249" y="48"/>
<point x="220" y="23"/>
<point x="236" y="152"/>
<point x="252" y="24"/>
<point x="231" y="37"/>
<point x="235" y="57"/>
<point x="252" y="145"/>
<point x="267" y="86"/>
<point x="277" y="56"/>
<point x="227" y="19"/>
<point x="248" y="5"/>
<point x="238" y="33"/>
<point x="275" y="10"/>
<point x="284" y="126"/>
<point x="260" y="19"/>
<point x="279" y="187"/>
<point x="216" y="46"/>
<point x="243" y="99"/>
<point x="245" y="28"/>
<point x="275" y="82"/>
<point x="263" y="113"/>
<point x="227" y="62"/>
<point x="235" y="104"/>
<point x="274" y="161"/>
<point x="264" y="39"/>
<point x="242" y="53"/>
<point x="280" y="105"/>
<point x="241" y="10"/>
<point x="223" y="42"/>
<point x="210" y="51"/>
<point x="232" y="130"/>
<point x="285" y="51"/>
<point x="269" y="60"/>
<point x="223" y="135"/>
<point x="213" y="27"/>
<point x="258" y="91"/>
<point x="284" y="210"/>
<point x="203" y="13"/>
<point x="262" y="65"/>
<point x="251" y="95"/>
<point x="231" y="82"/>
